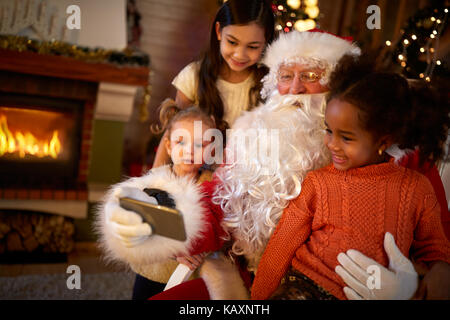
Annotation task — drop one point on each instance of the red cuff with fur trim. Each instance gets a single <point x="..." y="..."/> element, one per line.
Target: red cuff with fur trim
<point x="213" y="233"/>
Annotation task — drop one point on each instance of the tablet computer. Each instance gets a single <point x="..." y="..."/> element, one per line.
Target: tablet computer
<point x="164" y="221"/>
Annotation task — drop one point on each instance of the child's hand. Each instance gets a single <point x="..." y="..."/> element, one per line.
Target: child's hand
<point x="193" y="262"/>
<point x="436" y="283"/>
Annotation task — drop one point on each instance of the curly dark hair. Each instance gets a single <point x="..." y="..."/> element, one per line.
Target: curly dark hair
<point x="412" y="112"/>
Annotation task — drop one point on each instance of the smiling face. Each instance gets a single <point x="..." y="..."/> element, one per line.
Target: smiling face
<point x="299" y="79"/>
<point x="351" y="146"/>
<point x="241" y="46"/>
<point x="185" y="148"/>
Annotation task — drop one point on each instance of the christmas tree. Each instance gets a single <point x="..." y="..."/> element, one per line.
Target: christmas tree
<point x="416" y="50"/>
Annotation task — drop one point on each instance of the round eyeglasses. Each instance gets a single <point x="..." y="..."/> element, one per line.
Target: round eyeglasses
<point x="286" y="77"/>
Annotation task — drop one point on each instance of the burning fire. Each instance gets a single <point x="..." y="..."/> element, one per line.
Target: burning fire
<point x="26" y="143"/>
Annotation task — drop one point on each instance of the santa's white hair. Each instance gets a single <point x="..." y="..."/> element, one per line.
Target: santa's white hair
<point x="254" y="193"/>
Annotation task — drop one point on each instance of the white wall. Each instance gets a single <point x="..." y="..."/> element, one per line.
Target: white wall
<point x="103" y="22"/>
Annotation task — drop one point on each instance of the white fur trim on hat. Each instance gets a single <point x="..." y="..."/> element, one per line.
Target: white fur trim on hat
<point x="318" y="49"/>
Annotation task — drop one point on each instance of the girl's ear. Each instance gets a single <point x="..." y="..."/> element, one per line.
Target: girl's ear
<point x="167" y="146"/>
<point x="385" y="142"/>
<point x="218" y="30"/>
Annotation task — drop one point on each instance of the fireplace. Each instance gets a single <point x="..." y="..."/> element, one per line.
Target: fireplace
<point x="45" y="142"/>
<point x="40" y="140"/>
<point x="61" y="126"/>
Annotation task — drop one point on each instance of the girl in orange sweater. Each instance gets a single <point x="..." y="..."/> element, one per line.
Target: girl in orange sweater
<point x="363" y="194"/>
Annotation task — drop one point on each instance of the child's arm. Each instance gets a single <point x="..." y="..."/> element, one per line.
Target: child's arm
<point x="193" y="262"/>
<point x="436" y="283"/>
<point x="115" y="224"/>
<point x="411" y="161"/>
<point x="430" y="243"/>
<point x="212" y="232"/>
<point x="293" y="230"/>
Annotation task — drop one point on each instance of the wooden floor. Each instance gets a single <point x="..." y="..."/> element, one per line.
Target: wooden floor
<point x="86" y="255"/>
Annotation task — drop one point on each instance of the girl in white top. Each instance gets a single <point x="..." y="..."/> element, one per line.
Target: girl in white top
<point x="235" y="96"/>
<point x="227" y="79"/>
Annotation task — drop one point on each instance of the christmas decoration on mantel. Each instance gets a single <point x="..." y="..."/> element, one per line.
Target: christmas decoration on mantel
<point x="126" y="57"/>
<point x="300" y="15"/>
<point x="417" y="48"/>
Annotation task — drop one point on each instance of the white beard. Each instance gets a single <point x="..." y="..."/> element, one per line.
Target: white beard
<point x="254" y="192"/>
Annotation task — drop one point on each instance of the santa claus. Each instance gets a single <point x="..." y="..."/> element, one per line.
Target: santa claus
<point x="251" y="190"/>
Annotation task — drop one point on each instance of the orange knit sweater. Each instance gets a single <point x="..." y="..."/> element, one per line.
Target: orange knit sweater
<point x="341" y="210"/>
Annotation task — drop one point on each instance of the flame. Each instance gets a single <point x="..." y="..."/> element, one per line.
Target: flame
<point x="26" y="143"/>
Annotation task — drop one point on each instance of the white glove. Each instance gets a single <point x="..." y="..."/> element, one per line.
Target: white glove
<point x="125" y="225"/>
<point x="399" y="282"/>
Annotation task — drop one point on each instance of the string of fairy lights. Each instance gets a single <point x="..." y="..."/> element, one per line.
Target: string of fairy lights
<point x="301" y="15"/>
<point x="416" y="50"/>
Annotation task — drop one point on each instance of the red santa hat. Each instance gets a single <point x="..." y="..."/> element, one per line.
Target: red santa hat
<point x="316" y="48"/>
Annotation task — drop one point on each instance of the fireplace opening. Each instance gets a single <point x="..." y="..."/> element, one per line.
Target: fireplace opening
<point x="40" y="140"/>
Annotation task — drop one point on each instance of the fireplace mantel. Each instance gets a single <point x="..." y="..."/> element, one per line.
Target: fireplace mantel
<point x="70" y="68"/>
<point x="109" y="89"/>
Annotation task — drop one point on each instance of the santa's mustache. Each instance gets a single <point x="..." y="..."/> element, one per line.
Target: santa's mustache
<point x="316" y="100"/>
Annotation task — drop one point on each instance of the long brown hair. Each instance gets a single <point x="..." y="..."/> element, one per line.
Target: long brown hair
<point x="232" y="12"/>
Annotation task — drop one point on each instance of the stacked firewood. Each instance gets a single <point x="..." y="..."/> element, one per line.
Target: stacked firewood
<point x="28" y="232"/>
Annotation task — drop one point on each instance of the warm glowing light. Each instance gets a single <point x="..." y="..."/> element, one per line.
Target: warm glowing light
<point x="432" y="50"/>
<point x="388" y="43"/>
<point x="422" y="50"/>
<point x="427" y="79"/>
<point x="438" y="62"/>
<point x="403" y="64"/>
<point x="432" y="36"/>
<point x="414" y="37"/>
<point x="289" y="24"/>
<point x="280" y="8"/>
<point x="294" y="4"/>
<point x="312" y="12"/>
<point x="27" y="143"/>
<point x="310" y="3"/>
<point x="304" y="25"/>
<point x="405" y="41"/>
<point x="400" y="57"/>
<point x="433" y="19"/>
<point x="421" y="75"/>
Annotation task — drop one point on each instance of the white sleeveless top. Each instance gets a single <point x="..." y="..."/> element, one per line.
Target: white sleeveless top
<point x="235" y="96"/>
